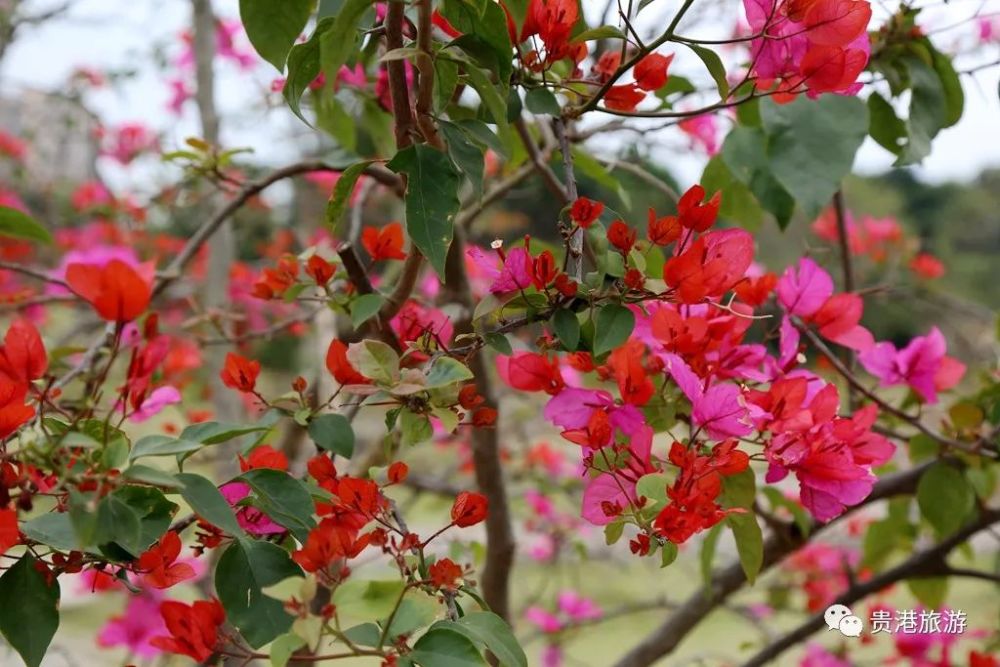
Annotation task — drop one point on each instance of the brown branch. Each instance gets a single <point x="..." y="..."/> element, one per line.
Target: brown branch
<point x="539" y="158"/>
<point x="32" y="273"/>
<point x="425" y="71"/>
<point x="838" y="365"/>
<point x="489" y="472"/>
<point x="574" y="244"/>
<point x="399" y="92"/>
<point x="926" y="563"/>
<point x="847" y="269"/>
<point x="665" y="638"/>
<point x="359" y="277"/>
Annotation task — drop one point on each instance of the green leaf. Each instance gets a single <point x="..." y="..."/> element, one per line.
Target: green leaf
<point x="446" y="647"/>
<point x="18" y="225"/>
<point x="600" y="32"/>
<point x="929" y="591"/>
<point x="811" y="145"/>
<point x="431" y="201"/>
<point x="153" y="510"/>
<point x="212" y="433"/>
<point x="567" y="327"/>
<point x="654" y="487"/>
<point x="342" y="191"/>
<point x="303" y="68"/>
<point x="414" y="428"/>
<point x="467" y="155"/>
<point x="417" y="610"/>
<point x="745" y="153"/>
<point x="206" y="501"/>
<point x="945" y="498"/>
<point x="707" y="557"/>
<point x="738" y="203"/>
<point x="713" y="63"/>
<point x="375" y="360"/>
<point x="739" y="491"/>
<point x="116" y="524"/>
<point x="150" y="475"/>
<point x="283" y="498"/>
<point x="613" y="532"/>
<point x="162" y="445"/>
<point x="499" y="342"/>
<point x="518" y="11"/>
<point x="283" y="647"/>
<point x="29" y="616"/>
<point x="338" y="41"/>
<point x="54" y="529"/>
<point x="951" y="86"/>
<point x="928" y="112"/>
<point x="485" y="36"/>
<point x="488" y="631"/>
<point x="367" y="597"/>
<point x="365" y="307"/>
<point x="244" y="569"/>
<point x="668" y="554"/>
<point x="885" y="127"/>
<point x="273" y="27"/>
<point x="495" y="103"/>
<point x="542" y="101"/>
<point x="445" y="371"/>
<point x="333" y="433"/>
<point x="614" y="325"/>
<point x="365" y="634"/>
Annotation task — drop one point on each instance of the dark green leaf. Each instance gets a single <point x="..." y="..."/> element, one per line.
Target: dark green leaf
<point x="365" y="307"/>
<point x="445" y="371"/>
<point x="885" y="127"/>
<point x="54" y="529"/>
<point x="431" y="200"/>
<point x="739" y="491"/>
<point x="499" y="343"/>
<point x="18" y="225"/>
<point x="707" y="557"/>
<point x="206" y="501"/>
<point x="928" y="112"/>
<point x="811" y="145"/>
<point x="150" y="475"/>
<point x="951" y="86"/>
<point x="613" y="326"/>
<point x="567" y="327"/>
<point x="713" y="63"/>
<point x="162" y="445"/>
<point x="342" y="191"/>
<point x="333" y="433"/>
<point x="488" y="631"/>
<point x="273" y="27"/>
<point x="542" y="101"/>
<point x="212" y="433"/>
<point x="945" y="498"/>
<point x="467" y="155"/>
<point x="441" y="647"/>
<point x="283" y="498"/>
<point x="600" y="32"/>
<point x="245" y="568"/>
<point x="738" y="203"/>
<point x="29" y="616"/>
<point x="303" y="67"/>
<point x="488" y="29"/>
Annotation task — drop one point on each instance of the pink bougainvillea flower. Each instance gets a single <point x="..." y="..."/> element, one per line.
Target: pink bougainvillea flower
<point x="838" y="320"/>
<point x="721" y="411"/>
<point x="703" y="131"/>
<point x="926" y="266"/>
<point x="921" y="365"/>
<point x="803" y="289"/>
<point x="157" y="400"/>
<point x="250" y="519"/>
<point x="136" y="626"/>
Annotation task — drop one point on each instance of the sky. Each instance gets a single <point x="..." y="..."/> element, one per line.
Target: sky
<point x="119" y="34"/>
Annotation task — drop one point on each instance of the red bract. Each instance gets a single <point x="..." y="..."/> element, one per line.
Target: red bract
<point x="622" y="236"/>
<point x="194" y="628"/>
<point x="9" y="533"/>
<point x="529" y="371"/>
<point x="651" y="72"/>
<point x="836" y="22"/>
<point x="694" y="212"/>
<point x="830" y="68"/>
<point x="484" y="417"/>
<point x="327" y="543"/>
<point x="385" y="243"/>
<point x="626" y="364"/>
<point x="711" y="266"/>
<point x="273" y="283"/>
<point x="240" y="373"/>
<point x="625" y="97"/>
<point x="927" y="266"/>
<point x="663" y="231"/>
<point x="585" y="211"/>
<point x="13" y="411"/>
<point x="116" y="291"/>
<point x="264" y="456"/>
<point x="552" y="21"/>
<point x="755" y="291"/>
<point x="22" y="355"/>
<point x="445" y="574"/>
<point x="469" y="509"/>
<point x="159" y="566"/>
<point x="596" y="434"/>
<point x="397" y="472"/>
<point x="319" y="270"/>
<point x="340" y="368"/>
<point x="544" y="270"/>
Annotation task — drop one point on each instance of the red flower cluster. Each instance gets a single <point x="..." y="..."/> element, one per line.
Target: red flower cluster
<point x="194" y="628"/>
<point x="384" y="243"/>
<point x="158" y="563"/>
<point x="469" y="509"/>
<point x="693" y="496"/>
<point x="117" y="292"/>
<point x="22" y="360"/>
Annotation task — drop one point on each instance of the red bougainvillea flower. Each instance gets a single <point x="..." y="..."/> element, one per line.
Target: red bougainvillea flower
<point x="927" y="266"/>
<point x="264" y="456"/>
<point x="340" y="368"/>
<point x="159" y="566"/>
<point x="585" y="211"/>
<point x="552" y="21"/>
<point x="469" y="509"/>
<point x="116" y="291"/>
<point x="711" y="266"/>
<point x="397" y="472"/>
<point x="240" y="373"/>
<point x="624" y="97"/>
<point x="694" y="212"/>
<point x="194" y="628"/>
<point x="445" y="574"/>
<point x="385" y="243"/>
<point x="622" y="236"/>
<point x="544" y="270"/>
<point x="755" y="291"/>
<point x="14" y="413"/>
<point x="22" y="355"/>
<point x="651" y="72"/>
<point x="9" y="533"/>
<point x="663" y="231"/>
<point x="633" y="382"/>
<point x="327" y="543"/>
<point x="838" y="320"/>
<point x="273" y="283"/>
<point x="319" y="270"/>
<point x="595" y="434"/>
<point x="529" y="371"/>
